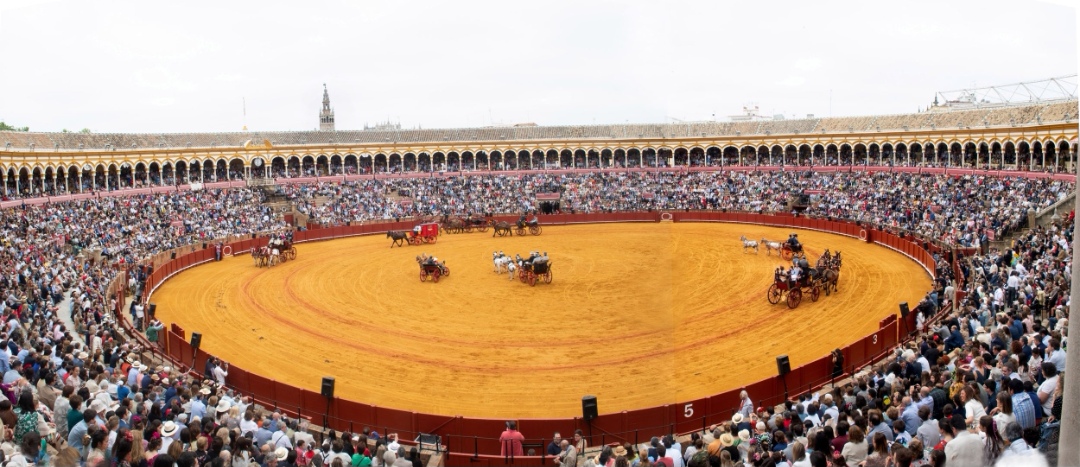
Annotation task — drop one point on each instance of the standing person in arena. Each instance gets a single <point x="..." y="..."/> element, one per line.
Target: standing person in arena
<point x="511" y="441"/>
<point x="746" y="407"/>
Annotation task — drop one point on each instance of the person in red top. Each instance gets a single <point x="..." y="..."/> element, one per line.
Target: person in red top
<point x="511" y="440"/>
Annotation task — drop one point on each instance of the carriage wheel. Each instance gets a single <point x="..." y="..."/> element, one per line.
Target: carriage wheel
<point x="532" y="280"/>
<point x="435" y="275"/>
<point x="535" y="230"/>
<point x="786" y="253"/>
<point x="521" y="230"/>
<point x="482" y="227"/>
<point x="446" y="271"/>
<point x="432" y="239"/>
<point x="815" y="292"/>
<point x="794" y="297"/>
<point x="775" y="294"/>
<point x="423" y="276"/>
<point x="467" y="228"/>
<point x="292" y="253"/>
<point x="547" y="277"/>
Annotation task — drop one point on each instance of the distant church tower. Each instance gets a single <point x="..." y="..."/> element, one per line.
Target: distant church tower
<point x="326" y="115"/>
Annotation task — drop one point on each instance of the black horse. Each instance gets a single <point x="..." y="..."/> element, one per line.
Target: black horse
<point x="399" y="237"/>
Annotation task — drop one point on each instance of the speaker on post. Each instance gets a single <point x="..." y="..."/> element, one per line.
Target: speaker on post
<point x="196" y="339"/>
<point x="173" y="255"/>
<point x="588" y="408"/>
<point x="783" y="365"/>
<point x="904" y="310"/>
<point x="151" y="309"/>
<point x="328" y="387"/>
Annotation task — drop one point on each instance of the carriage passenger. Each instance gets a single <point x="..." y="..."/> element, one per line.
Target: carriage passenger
<point x="796" y="273"/>
<point x="793" y="242"/>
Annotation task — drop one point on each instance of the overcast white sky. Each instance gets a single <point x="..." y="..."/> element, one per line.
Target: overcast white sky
<point x="188" y="66"/>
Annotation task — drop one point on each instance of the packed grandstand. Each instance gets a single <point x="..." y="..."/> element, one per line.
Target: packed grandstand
<point x="980" y="384"/>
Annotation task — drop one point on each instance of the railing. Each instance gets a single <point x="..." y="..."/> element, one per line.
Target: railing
<point x="470" y="437"/>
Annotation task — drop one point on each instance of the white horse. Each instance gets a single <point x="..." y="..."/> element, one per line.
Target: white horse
<point x="770" y="246"/>
<point x="501" y="262"/>
<point x="748" y="244"/>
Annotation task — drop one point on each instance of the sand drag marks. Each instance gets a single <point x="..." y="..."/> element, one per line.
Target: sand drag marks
<point x="637" y="314"/>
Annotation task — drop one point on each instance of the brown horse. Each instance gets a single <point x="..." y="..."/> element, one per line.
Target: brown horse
<point x="829" y="271"/>
<point x="399" y="237"/>
<point x="452" y="225"/>
<point x="502" y="228"/>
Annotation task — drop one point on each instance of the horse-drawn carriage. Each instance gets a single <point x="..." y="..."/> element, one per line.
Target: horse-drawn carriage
<point x="786" y="249"/>
<point x="530" y="225"/>
<point x="784" y="285"/>
<point x="466" y="224"/>
<point x="536" y="268"/>
<point x="277" y="250"/>
<point x="431" y="269"/>
<point x="419" y="235"/>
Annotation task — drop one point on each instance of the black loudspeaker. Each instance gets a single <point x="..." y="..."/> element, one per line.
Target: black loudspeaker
<point x="904" y="310"/>
<point x="328" y="387"/>
<point x="196" y="339"/>
<point x="783" y="366"/>
<point x="588" y="408"/>
<point x="204" y="245"/>
<point x="152" y="309"/>
<point x="173" y="255"/>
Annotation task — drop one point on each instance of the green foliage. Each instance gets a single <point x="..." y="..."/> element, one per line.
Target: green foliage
<point x="6" y="127"/>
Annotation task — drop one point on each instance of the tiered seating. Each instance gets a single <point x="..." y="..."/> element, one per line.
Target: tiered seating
<point x="844" y="124"/>
<point x="1058" y="112"/>
<point x="1012" y="115"/>
<point x="784" y="127"/>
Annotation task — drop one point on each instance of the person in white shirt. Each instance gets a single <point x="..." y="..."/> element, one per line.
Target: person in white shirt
<point x="1046" y="389"/>
<point x="973" y="409"/>
<point x="220" y="372"/>
<point x="966" y="449"/>
<point x="281" y="437"/>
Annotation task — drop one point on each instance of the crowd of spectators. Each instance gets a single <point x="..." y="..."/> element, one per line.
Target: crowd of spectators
<point x="986" y="373"/>
<point x="50" y="185"/>
<point x="968" y="211"/>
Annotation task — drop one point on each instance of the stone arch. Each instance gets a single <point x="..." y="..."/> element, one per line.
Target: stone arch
<point x="468" y="160"/>
<point x="633" y="157"/>
<point x="236" y="169"/>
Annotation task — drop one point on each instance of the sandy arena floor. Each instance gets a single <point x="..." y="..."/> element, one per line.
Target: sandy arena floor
<point x="638" y="314"/>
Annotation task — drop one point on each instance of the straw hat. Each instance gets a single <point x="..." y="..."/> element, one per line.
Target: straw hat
<point x="737" y="418"/>
<point x="168" y="428"/>
<point x="726" y="440"/>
